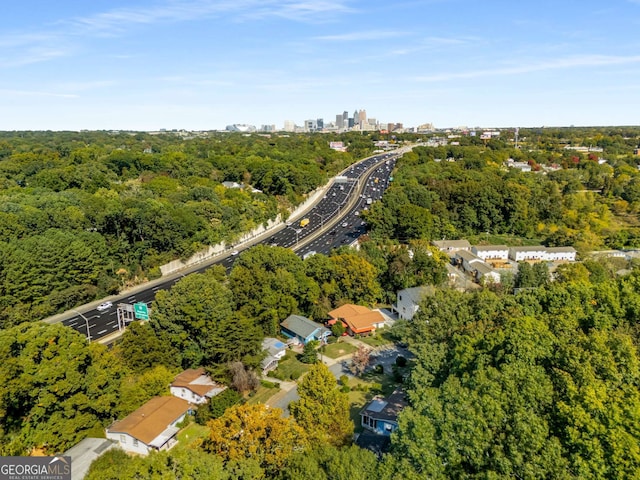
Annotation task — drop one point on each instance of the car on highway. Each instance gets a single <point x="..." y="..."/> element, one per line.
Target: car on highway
<point x="104" y="306"/>
<point x="345" y="225"/>
<point x="234" y="253"/>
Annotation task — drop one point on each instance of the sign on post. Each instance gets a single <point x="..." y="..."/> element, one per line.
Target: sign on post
<point x="141" y="311"/>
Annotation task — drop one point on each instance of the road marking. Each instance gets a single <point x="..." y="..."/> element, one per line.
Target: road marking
<point x="102" y="331"/>
<point x="132" y="297"/>
<point x="113" y="313"/>
<point x="155" y="288"/>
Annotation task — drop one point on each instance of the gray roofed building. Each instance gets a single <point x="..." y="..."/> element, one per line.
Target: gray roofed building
<point x="408" y="300"/>
<point x="452" y="246"/>
<point x="381" y="414"/>
<point x="305" y="330"/>
<point x="275" y="351"/>
<point x="485" y="272"/>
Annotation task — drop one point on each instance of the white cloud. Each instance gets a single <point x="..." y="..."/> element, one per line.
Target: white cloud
<point x="28" y="93"/>
<point x="561" y="63"/>
<point x="29" y="47"/>
<point x="364" y="35"/>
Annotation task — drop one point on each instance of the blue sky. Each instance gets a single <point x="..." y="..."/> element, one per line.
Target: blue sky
<point x="203" y="64"/>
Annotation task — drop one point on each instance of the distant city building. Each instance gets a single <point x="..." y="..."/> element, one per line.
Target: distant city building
<point x="310" y="125"/>
<point x="319" y="124"/>
<point x="241" y="127"/>
<point x="340" y="121"/>
<point x="289" y="126"/>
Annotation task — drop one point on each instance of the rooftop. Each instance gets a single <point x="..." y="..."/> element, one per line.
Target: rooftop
<point x="386" y="408"/>
<point x="300" y="325"/>
<point x="198" y="382"/>
<point x="451" y="244"/>
<point x="150" y="421"/>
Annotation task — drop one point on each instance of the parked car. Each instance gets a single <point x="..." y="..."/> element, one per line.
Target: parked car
<point x="104" y="306"/>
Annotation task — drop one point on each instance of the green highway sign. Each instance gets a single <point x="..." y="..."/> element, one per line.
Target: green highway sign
<point x="141" y="311"/>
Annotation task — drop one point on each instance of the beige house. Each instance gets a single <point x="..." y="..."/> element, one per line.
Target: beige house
<point x="151" y="427"/>
<point x="195" y="386"/>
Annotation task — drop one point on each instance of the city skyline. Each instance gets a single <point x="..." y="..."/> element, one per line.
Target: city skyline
<point x="204" y="64"/>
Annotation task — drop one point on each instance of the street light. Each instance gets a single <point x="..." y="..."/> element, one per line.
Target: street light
<point x="321" y="218"/>
<point x="86" y="321"/>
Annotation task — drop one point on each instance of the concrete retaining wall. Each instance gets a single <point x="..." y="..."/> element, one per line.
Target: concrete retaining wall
<point x="214" y="250"/>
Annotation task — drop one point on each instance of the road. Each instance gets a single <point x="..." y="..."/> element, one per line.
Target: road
<point x="385" y="356"/>
<point x="333" y="221"/>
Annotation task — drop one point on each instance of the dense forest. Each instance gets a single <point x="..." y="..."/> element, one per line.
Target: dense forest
<point x="585" y="199"/>
<point x="539" y="384"/>
<point x="83" y="215"/>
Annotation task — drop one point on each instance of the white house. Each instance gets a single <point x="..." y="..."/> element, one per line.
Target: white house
<point x="558" y="254"/>
<point x="467" y="260"/>
<point x="151" y="427"/>
<point x="520" y="254"/>
<point x="485" y="274"/>
<point x="408" y="301"/>
<point x="451" y="246"/>
<point x="491" y="252"/>
<point x="195" y="386"/>
<point x="275" y="351"/>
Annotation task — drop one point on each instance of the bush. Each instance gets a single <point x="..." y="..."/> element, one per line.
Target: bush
<point x="379" y="369"/>
<point x="217" y="406"/>
<point x="375" y="388"/>
<point x="401" y="361"/>
<point x="345" y="389"/>
<point x="331" y="340"/>
<point x="267" y="384"/>
<point x="344" y="380"/>
<point x="338" y="329"/>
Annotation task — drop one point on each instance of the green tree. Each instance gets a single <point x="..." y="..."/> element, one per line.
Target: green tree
<point x="310" y="352"/>
<point x="56" y="388"/>
<point x="141" y="349"/>
<point x="323" y="410"/>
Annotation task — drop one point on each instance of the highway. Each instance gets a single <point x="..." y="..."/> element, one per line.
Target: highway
<point x="333" y="221"/>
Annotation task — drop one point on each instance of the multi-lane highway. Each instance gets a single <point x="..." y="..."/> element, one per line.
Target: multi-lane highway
<point x="333" y="221"/>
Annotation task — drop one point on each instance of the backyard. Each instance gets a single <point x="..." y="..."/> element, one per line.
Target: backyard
<point x="335" y="350"/>
<point x="289" y="368"/>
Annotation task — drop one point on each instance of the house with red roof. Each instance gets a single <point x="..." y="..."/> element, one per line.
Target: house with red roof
<point x="357" y="319"/>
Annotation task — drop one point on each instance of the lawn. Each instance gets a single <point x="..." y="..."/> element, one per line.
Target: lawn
<point x="381" y="338"/>
<point x="359" y="398"/>
<point x="335" y="350"/>
<point x="290" y="368"/>
<point x="262" y="395"/>
<point x="191" y="433"/>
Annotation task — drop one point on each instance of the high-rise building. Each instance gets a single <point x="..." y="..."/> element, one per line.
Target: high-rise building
<point x="289" y="126"/>
<point x="339" y="121"/>
<point x="310" y="125"/>
<point x="320" y="124"/>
